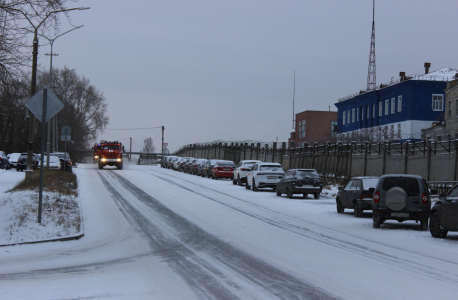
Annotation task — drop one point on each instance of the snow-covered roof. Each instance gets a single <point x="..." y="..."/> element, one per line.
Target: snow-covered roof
<point x="445" y="74"/>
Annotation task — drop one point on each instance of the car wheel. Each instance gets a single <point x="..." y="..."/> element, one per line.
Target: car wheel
<point x="17" y="169"/>
<point x="255" y="189"/>
<point x="340" y="208"/>
<point x="215" y="177"/>
<point x="234" y="182"/>
<point x="376" y="223"/>
<point x="278" y="192"/>
<point x="239" y="181"/>
<point x="247" y="186"/>
<point x="435" y="227"/>
<point x="357" y="210"/>
<point x="289" y="194"/>
<point x="316" y="195"/>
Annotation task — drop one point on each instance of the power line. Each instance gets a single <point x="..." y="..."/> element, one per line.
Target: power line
<point x="134" y="128"/>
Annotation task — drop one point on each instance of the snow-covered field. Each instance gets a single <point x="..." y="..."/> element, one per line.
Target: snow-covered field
<point x="152" y="233"/>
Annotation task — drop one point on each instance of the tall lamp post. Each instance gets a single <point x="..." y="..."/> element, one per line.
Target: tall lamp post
<point x="34" y="76"/>
<point x="51" y="42"/>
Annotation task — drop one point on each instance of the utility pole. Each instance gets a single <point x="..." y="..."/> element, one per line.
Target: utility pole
<point x="162" y="140"/>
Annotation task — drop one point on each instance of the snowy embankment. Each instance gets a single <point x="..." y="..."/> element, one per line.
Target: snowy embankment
<point x="61" y="214"/>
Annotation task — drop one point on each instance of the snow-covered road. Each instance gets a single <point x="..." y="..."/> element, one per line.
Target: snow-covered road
<point x="152" y="233"/>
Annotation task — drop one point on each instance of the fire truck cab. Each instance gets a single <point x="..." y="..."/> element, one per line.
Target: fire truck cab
<point x="109" y="154"/>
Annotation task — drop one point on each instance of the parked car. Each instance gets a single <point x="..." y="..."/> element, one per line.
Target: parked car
<point x="444" y="214"/>
<point x="177" y="163"/>
<point x="200" y="168"/>
<point x="4" y="162"/>
<point x="207" y="169"/>
<point x="194" y="164"/>
<point x="357" y="195"/>
<point x="183" y="162"/>
<point x="223" y="169"/>
<point x="401" y="197"/>
<point x="65" y="161"/>
<point x="171" y="162"/>
<point x="164" y="160"/>
<point x="54" y="162"/>
<point x="241" y="169"/>
<point x="264" y="175"/>
<point x="12" y="159"/>
<point x="300" y="181"/>
<point x="187" y="164"/>
<point x="22" y="162"/>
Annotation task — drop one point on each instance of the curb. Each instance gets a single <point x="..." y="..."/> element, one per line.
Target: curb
<point x="76" y="237"/>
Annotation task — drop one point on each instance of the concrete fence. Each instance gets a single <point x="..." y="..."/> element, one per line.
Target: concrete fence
<point x="435" y="161"/>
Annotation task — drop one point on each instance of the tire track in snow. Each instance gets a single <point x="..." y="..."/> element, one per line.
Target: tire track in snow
<point x="193" y="239"/>
<point x="281" y="220"/>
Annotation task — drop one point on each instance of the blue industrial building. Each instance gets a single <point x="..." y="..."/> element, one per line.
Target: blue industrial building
<point x="396" y="111"/>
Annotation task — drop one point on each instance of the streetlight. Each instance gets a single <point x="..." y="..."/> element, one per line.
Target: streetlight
<point x="34" y="75"/>
<point x="51" y="42"/>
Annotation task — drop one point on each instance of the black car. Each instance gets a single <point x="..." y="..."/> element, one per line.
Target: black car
<point x="201" y="167"/>
<point x="444" y="214"/>
<point x="187" y="165"/>
<point x="22" y="162"/>
<point x="65" y="161"/>
<point x="357" y="195"/>
<point x="207" y="168"/>
<point x="300" y="181"/>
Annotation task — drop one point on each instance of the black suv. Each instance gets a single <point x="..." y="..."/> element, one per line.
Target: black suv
<point x="401" y="197"/>
<point x="22" y="162"/>
<point x="444" y="214"/>
<point x="300" y="181"/>
<point x="357" y="195"/>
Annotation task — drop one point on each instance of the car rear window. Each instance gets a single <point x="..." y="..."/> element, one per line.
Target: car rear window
<point x="226" y="164"/>
<point x="273" y="168"/>
<point x="409" y="185"/>
<point x="369" y="183"/>
<point x="307" y="173"/>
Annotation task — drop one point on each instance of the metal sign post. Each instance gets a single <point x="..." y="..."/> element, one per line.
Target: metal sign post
<point x="66" y="130"/>
<point x="43" y="130"/>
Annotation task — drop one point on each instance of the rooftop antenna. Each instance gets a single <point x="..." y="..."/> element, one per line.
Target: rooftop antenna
<point x="371" y="78"/>
<point x="294" y="94"/>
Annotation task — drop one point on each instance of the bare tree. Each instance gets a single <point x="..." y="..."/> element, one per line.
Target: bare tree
<point x="85" y="107"/>
<point x="19" y="18"/>
<point x="148" y="146"/>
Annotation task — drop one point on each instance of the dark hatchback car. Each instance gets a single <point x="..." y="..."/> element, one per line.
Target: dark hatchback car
<point x="357" y="195"/>
<point x="195" y="164"/>
<point x="207" y="168"/>
<point x="22" y="162"/>
<point x="401" y="197"/>
<point x="444" y="214"/>
<point x="65" y="161"/>
<point x="300" y="181"/>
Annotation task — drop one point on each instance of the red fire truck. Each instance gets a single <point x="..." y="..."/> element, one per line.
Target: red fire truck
<point x="109" y="154"/>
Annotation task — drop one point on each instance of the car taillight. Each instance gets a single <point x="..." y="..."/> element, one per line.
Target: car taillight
<point x="244" y="170"/>
<point x="196" y="166"/>
<point x="376" y="197"/>
<point x="424" y="199"/>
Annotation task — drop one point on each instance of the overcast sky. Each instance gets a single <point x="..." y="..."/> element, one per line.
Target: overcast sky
<point x="210" y="70"/>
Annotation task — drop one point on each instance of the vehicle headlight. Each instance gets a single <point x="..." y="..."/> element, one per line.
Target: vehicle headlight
<point x="119" y="159"/>
<point x="103" y="158"/>
<point x="96" y="156"/>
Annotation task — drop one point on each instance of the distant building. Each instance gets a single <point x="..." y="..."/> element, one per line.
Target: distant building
<point x="446" y="128"/>
<point x="396" y="111"/>
<point x="314" y="126"/>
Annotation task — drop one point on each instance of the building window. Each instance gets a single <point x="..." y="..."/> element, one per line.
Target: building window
<point x="456" y="108"/>
<point x="348" y="116"/>
<point x="333" y="129"/>
<point x="368" y="115"/>
<point x="399" y="131"/>
<point x="438" y="102"/>
<point x="380" y="109"/>
<point x="357" y="114"/>
<point x="373" y="110"/>
<point x="392" y="131"/>
<point x="353" y="115"/>
<point x="449" y="108"/>
<point x="344" y="116"/>
<point x="362" y="113"/>
<point x="393" y="106"/>
<point x="303" y="128"/>
<point x="399" y="103"/>
<point x="387" y="106"/>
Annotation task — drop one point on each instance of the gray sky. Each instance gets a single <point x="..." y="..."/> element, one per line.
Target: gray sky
<point x="209" y="70"/>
